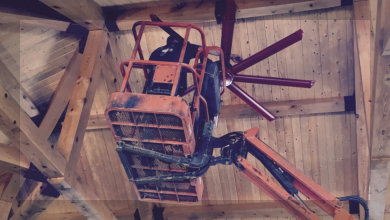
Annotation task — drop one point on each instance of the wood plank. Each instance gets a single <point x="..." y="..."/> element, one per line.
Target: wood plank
<point x="84" y="12"/>
<point x="379" y="177"/>
<point x="362" y="36"/>
<point x="380" y="138"/>
<point x="97" y="122"/>
<point x="33" y="205"/>
<point x="61" y="96"/>
<point x="280" y="109"/>
<point x="72" y="135"/>
<point x="386" y="35"/>
<point x="24" y="133"/>
<point x="10" y="193"/>
<point x="194" y="12"/>
<point x="362" y="137"/>
<point x="10" y="83"/>
<point x="12" y="15"/>
<point x="47" y="23"/>
<point x="230" y="210"/>
<point x="386" y="48"/>
<point x="5" y="207"/>
<point x="77" y="114"/>
<point x="12" y="159"/>
<point x="288" y="108"/>
<point x="83" y="199"/>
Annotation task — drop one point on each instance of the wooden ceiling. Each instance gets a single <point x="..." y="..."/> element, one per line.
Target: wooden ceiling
<point x="314" y="131"/>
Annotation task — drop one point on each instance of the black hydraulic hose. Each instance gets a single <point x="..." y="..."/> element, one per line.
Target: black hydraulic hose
<point x="172" y="177"/>
<point x="360" y="200"/>
<point x="183" y="161"/>
<point x="282" y="177"/>
<point x="167" y="29"/>
<point x="149" y="153"/>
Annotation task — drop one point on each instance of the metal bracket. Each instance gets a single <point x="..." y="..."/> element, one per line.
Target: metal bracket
<point x="47" y="189"/>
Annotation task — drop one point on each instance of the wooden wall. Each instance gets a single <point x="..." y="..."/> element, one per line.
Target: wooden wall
<point x="322" y="146"/>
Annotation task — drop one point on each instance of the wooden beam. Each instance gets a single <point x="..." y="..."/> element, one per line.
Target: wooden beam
<point x="280" y="109"/>
<point x="379" y="178"/>
<point x="18" y="126"/>
<point x="225" y="210"/>
<point x="61" y="96"/>
<point x="33" y="205"/>
<point x="386" y="35"/>
<point x="47" y="23"/>
<point x="380" y="120"/>
<point x="73" y="129"/>
<point x="288" y="108"/>
<point x="97" y="122"/>
<point x="16" y="91"/>
<point x="11" y="185"/>
<point x="194" y="12"/>
<point x="362" y="28"/>
<point x="4" y="209"/>
<point x="112" y="75"/>
<point x="84" y="199"/>
<point x="16" y="15"/>
<point x="14" y="184"/>
<point x="4" y="181"/>
<point x="380" y="129"/>
<point x="362" y="137"/>
<point x="89" y="75"/>
<point x="386" y="48"/>
<point x="12" y="159"/>
<point x="87" y="13"/>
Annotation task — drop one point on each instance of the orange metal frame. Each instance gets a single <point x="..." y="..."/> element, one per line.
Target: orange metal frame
<point x="305" y="185"/>
<point x="127" y="102"/>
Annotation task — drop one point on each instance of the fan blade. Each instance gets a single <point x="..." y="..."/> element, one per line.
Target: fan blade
<point x="168" y="30"/>
<point x="251" y="102"/>
<point x="274" y="81"/>
<point x="271" y="50"/>
<point x="229" y="18"/>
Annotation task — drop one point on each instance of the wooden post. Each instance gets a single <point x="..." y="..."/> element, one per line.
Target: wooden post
<point x="380" y="129"/>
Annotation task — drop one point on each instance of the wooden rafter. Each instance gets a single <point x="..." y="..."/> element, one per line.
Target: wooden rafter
<point x="11" y="159"/>
<point x="362" y="137"/>
<point x="89" y="75"/>
<point x="380" y="129"/>
<point x="24" y="133"/>
<point x="280" y="109"/>
<point x="195" y="12"/>
<point x="61" y="95"/>
<point x="12" y="15"/>
<point x="87" y="13"/>
<point x="4" y="209"/>
<point x="256" y="209"/>
<point x="11" y="185"/>
<point x="72" y="135"/>
<point x="59" y="162"/>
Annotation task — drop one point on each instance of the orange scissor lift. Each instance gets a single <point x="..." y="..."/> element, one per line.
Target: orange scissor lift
<point x="166" y="144"/>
